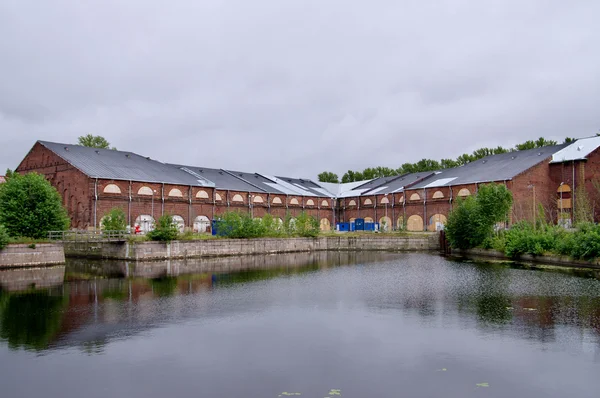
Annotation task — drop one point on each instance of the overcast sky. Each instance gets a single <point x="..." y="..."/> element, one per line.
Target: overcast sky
<point x="295" y="87"/>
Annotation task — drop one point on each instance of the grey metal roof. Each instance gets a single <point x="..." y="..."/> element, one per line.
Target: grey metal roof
<point x="306" y="186"/>
<point x="222" y="179"/>
<point x="258" y="180"/>
<point x="119" y="165"/>
<point x="500" y="167"/>
<point x="578" y="150"/>
<point x="397" y="183"/>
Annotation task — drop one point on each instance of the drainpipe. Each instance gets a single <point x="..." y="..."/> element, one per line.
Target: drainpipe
<point x="375" y="207"/>
<point x="96" y="204"/>
<point x="403" y="207"/>
<point x="268" y="203"/>
<point x="393" y="213"/>
<point x="425" y="223"/>
<point x="129" y="205"/>
<point x="227" y="193"/>
<point x="333" y="211"/>
<point x="162" y="199"/>
<point x="190" y="208"/>
<point x="214" y="203"/>
<point x="573" y="195"/>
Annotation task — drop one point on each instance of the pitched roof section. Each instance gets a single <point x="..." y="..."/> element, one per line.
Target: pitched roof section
<point x="119" y="165"/>
<point x="398" y="183"/>
<point x="502" y="167"/>
<point x="222" y="179"/>
<point x="578" y="150"/>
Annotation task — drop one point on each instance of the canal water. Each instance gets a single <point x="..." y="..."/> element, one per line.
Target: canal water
<point x="311" y="325"/>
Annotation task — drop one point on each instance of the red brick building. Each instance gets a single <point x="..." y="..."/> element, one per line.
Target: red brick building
<point x="94" y="181"/>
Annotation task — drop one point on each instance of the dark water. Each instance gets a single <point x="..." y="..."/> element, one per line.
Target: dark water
<point x="368" y="325"/>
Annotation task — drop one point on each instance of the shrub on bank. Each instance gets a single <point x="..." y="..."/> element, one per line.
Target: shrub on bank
<point x="4" y="237"/>
<point x="240" y="225"/>
<point x="115" y="220"/>
<point x="472" y="221"/>
<point x="165" y="229"/>
<point x="523" y="238"/>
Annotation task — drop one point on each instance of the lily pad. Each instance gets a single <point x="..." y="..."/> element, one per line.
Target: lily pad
<point x="483" y="384"/>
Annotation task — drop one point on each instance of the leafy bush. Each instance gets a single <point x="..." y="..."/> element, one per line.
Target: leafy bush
<point x="241" y="226"/>
<point x="30" y="206"/>
<point x="4" y="237"/>
<point x="307" y="226"/>
<point x="115" y="220"/>
<point x="472" y="221"/>
<point x="586" y="242"/>
<point x="165" y="229"/>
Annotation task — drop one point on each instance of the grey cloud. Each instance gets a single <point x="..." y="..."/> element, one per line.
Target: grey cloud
<point x="297" y="87"/>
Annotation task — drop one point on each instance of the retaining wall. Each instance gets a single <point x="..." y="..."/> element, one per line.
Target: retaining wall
<point x="542" y="259"/>
<point x="148" y="251"/>
<point x="22" y="255"/>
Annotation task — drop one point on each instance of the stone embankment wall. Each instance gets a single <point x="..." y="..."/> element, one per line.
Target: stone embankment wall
<point x="23" y="255"/>
<point x="528" y="258"/>
<point x="149" y="251"/>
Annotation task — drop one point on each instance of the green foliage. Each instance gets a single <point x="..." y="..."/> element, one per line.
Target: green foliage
<point x="328" y="176"/>
<point x="472" y="221"/>
<point x="584" y="213"/>
<point x="165" y="229"/>
<point x="307" y="226"/>
<point x="115" y="220"/>
<point x="30" y="206"/>
<point x="523" y="238"/>
<point x="239" y="225"/>
<point x="94" y="141"/>
<point x="4" y="237"/>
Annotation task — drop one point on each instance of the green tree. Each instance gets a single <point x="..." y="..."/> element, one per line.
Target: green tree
<point x="4" y="237"/>
<point x="449" y="163"/>
<point x="115" y="220"/>
<point x="30" y="206"/>
<point x="569" y="140"/>
<point x="94" y="141"/>
<point x="472" y="220"/>
<point x="307" y="226"/>
<point x="352" y="176"/>
<point x="328" y="176"/>
<point x="165" y="229"/>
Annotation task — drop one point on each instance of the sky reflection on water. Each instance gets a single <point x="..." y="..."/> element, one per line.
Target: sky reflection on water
<point x="368" y="324"/>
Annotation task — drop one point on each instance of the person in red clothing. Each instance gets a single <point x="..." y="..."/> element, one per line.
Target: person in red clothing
<point x="138" y="229"/>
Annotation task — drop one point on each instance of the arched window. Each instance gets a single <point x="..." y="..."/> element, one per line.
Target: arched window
<point x="438" y="195"/>
<point x="112" y="188"/>
<point x="145" y="222"/>
<point x="277" y="200"/>
<point x="414" y="223"/>
<point x="436" y="222"/>
<point x="352" y="203"/>
<point x="145" y="191"/>
<point x="368" y="202"/>
<point x="310" y="202"/>
<point x="385" y="224"/>
<point x="175" y="193"/>
<point x="237" y="198"/>
<point x="201" y="224"/>
<point x="178" y="220"/>
<point x="563" y="188"/>
<point x="401" y="200"/>
<point x="384" y="200"/>
<point x="218" y="196"/>
<point x="368" y="219"/>
<point x="325" y="224"/>
<point x="258" y="199"/>
<point x="464" y="192"/>
<point x="324" y="203"/>
<point x="415" y="196"/>
<point x="294" y="201"/>
<point x="202" y="195"/>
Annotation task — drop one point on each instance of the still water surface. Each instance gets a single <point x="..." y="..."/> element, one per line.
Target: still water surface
<point x="320" y="325"/>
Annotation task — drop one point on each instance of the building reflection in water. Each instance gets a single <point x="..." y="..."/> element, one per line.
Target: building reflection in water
<point x="103" y="301"/>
